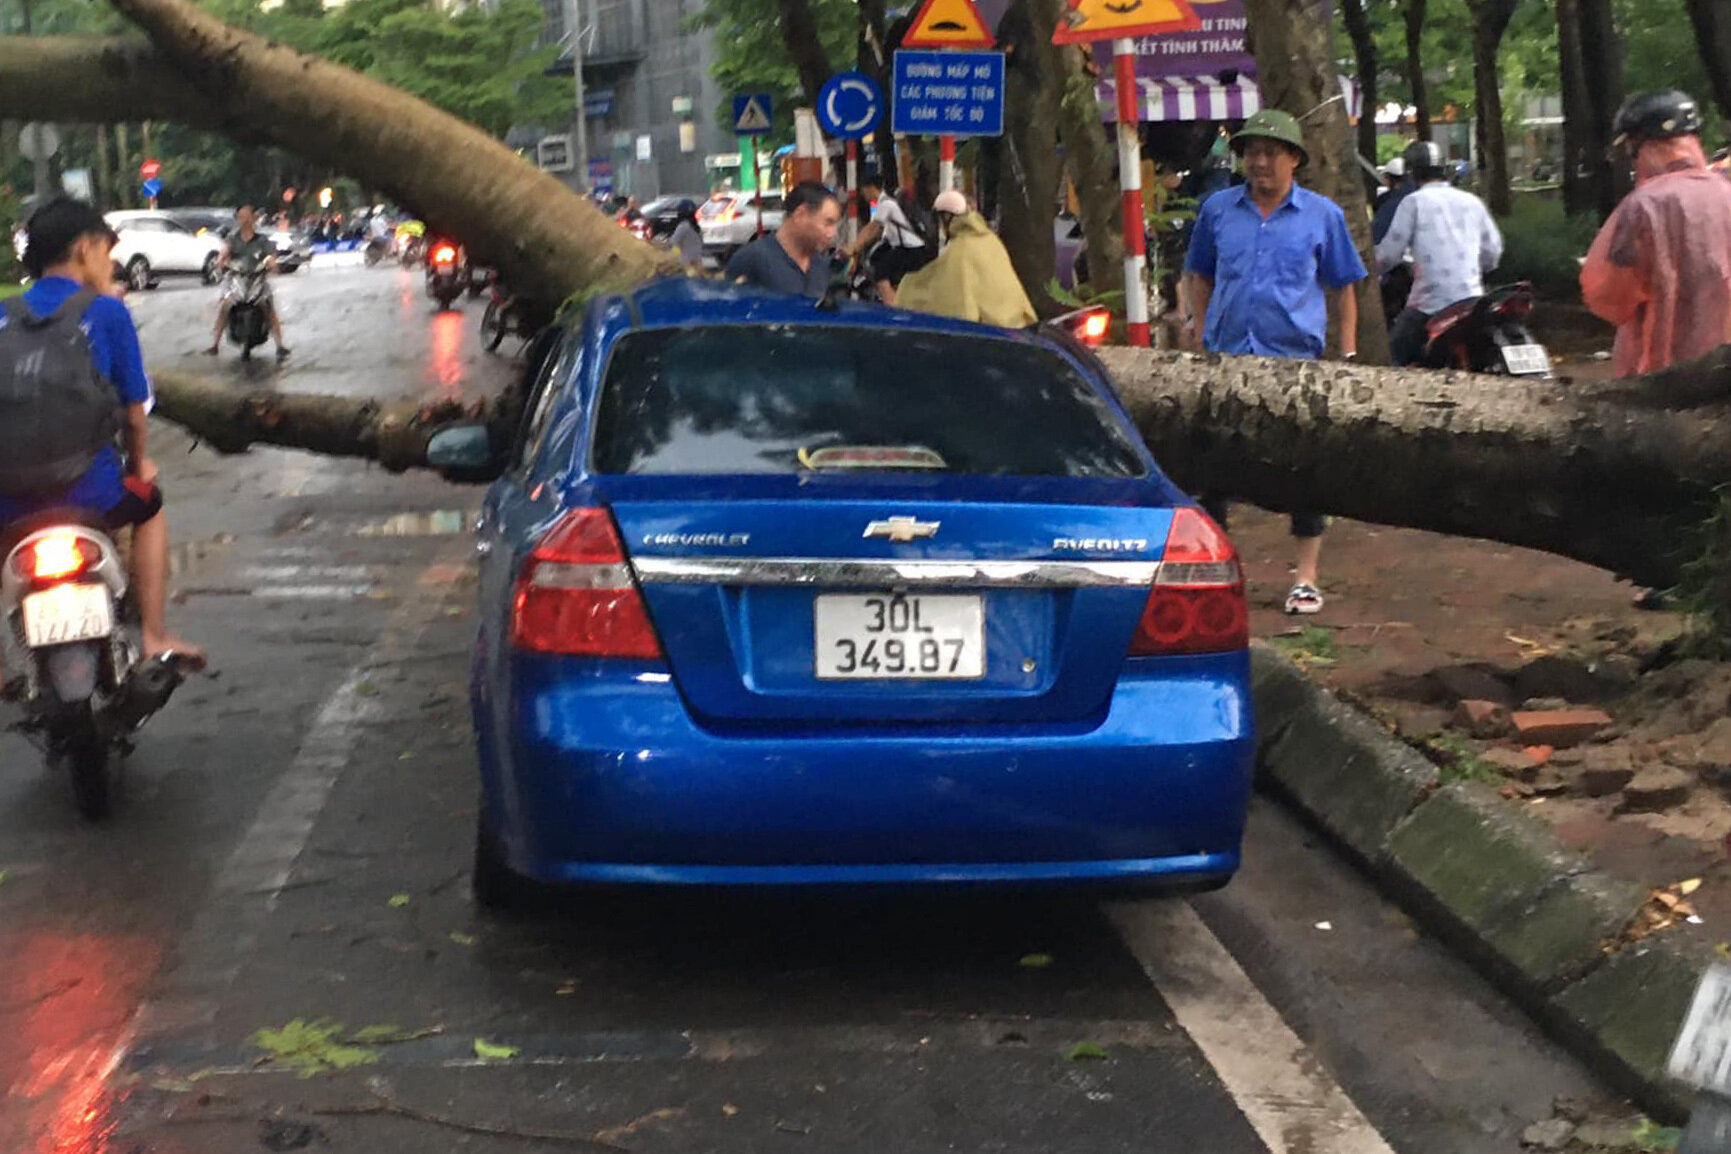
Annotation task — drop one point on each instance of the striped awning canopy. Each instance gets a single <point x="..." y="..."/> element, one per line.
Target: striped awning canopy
<point x="1201" y="98"/>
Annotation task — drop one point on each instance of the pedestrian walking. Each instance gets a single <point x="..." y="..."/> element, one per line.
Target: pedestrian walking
<point x="972" y="279"/>
<point x="1264" y="259"/>
<point x="1452" y="240"/>
<point x="795" y="257"/>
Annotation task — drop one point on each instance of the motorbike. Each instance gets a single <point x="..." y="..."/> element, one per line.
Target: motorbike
<point x="71" y="644"/>
<point x="1487" y="334"/>
<point x="445" y="276"/>
<point x="478" y="280"/>
<point x="378" y="248"/>
<point x="505" y="315"/>
<point x="249" y="313"/>
<point x="411" y="250"/>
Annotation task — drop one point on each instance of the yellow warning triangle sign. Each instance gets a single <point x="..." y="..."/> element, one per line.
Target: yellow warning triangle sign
<point x="948" y="24"/>
<point x="1086" y="20"/>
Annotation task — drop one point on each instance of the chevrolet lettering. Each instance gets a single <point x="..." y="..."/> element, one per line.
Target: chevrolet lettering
<point x="689" y="540"/>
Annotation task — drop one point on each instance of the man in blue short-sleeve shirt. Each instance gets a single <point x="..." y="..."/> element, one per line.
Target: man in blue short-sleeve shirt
<point x="1264" y="259"/>
<point x="67" y="251"/>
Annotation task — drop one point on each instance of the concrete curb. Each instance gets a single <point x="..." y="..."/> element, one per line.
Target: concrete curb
<point x="1532" y="915"/>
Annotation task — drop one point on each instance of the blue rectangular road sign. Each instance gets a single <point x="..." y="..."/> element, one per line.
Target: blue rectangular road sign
<point x="752" y="115"/>
<point x="948" y="94"/>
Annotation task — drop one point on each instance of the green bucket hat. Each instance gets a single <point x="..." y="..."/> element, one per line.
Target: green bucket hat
<point x="1272" y="124"/>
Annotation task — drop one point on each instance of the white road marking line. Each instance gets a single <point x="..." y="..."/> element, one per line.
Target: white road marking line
<point x="282" y="573"/>
<point x="1292" y="1102"/>
<point x="312" y="592"/>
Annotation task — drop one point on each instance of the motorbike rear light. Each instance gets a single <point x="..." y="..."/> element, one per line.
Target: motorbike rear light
<point x="577" y="596"/>
<point x="1092" y="326"/>
<point x="59" y="557"/>
<point x="1197" y="603"/>
<point x="444" y="254"/>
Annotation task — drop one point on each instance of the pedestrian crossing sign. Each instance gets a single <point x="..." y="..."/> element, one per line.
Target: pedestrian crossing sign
<point x="751" y="115"/>
<point x="948" y="24"/>
<point x="1088" y="20"/>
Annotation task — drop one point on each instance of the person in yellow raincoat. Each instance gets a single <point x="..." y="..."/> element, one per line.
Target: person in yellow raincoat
<point x="972" y="279"/>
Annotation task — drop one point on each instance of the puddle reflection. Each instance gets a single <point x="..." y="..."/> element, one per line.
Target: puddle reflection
<point x="446" y="365"/>
<point x="438" y="523"/>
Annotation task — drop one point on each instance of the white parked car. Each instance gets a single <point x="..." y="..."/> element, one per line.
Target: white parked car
<point x="154" y="244"/>
<point x="729" y="222"/>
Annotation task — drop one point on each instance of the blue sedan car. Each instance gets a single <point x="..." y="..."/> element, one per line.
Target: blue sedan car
<point x="784" y="593"/>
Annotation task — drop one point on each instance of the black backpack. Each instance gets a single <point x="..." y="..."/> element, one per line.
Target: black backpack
<point x="921" y="218"/>
<point x="57" y="412"/>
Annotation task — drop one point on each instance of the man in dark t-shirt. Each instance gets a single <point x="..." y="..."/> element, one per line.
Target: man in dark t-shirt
<point x="246" y="248"/>
<point x="795" y="257"/>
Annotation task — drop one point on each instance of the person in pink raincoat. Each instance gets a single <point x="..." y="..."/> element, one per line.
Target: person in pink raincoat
<point x="1660" y="269"/>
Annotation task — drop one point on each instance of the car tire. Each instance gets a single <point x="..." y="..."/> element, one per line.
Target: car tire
<point x="494" y="884"/>
<point x="208" y="272"/>
<point x="138" y="275"/>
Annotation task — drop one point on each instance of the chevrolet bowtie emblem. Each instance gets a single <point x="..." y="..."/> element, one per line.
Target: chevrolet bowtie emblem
<point x="901" y="529"/>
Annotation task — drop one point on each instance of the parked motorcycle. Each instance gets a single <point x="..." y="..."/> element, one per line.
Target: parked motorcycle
<point x="445" y="278"/>
<point x="479" y="276"/>
<point x="1487" y="334"/>
<point x="249" y="313"/>
<point x="71" y="643"/>
<point x="505" y="315"/>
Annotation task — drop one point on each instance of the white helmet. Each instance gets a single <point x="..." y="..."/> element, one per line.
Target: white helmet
<point x="1395" y="167"/>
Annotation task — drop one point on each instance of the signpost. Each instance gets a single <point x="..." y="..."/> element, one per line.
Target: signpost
<point x="152" y="189"/>
<point x="952" y="94"/>
<point x="752" y="119"/>
<point x="1089" y="20"/>
<point x="951" y="24"/>
<point x="849" y="107"/>
<point x="150" y="170"/>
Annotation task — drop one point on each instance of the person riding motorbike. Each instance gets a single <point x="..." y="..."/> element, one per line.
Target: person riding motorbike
<point x="246" y="246"/>
<point x="67" y="253"/>
<point x="1453" y="242"/>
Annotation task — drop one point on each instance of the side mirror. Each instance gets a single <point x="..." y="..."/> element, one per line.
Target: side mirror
<point x="464" y="452"/>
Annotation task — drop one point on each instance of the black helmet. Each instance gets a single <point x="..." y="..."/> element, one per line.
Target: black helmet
<point x="1656" y="116"/>
<point x="1424" y="158"/>
<point x="686" y="207"/>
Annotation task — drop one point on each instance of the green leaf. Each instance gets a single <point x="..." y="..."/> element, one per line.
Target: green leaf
<point x="1035" y="961"/>
<point x="311" y="1047"/>
<point x="493" y="1052"/>
<point x="463" y="939"/>
<point x="1087" y="1052"/>
<point x="398" y="901"/>
<point x="373" y="1035"/>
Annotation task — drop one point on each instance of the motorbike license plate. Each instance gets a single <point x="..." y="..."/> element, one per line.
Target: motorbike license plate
<point x="1701" y="1056"/>
<point x="67" y="613"/>
<point x="900" y="636"/>
<point x="1526" y="360"/>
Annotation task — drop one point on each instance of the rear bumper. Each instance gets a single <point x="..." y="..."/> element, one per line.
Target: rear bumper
<point x="607" y="779"/>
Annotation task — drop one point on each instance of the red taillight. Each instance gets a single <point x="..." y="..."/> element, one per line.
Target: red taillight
<point x="59" y="557"/>
<point x="577" y="596"/>
<point x="444" y="254"/>
<point x="1197" y="603"/>
<point x="727" y="213"/>
<point x="1092" y="326"/>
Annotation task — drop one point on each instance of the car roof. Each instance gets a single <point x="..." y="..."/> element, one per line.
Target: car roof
<point x="672" y="302"/>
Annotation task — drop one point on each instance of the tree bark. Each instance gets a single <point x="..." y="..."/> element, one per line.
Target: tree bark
<point x="1295" y="70"/>
<point x="1490" y="21"/>
<point x="1029" y="170"/>
<point x="1413" y="13"/>
<point x="1094" y="169"/>
<point x="804" y="48"/>
<point x="1602" y="60"/>
<point x="1579" y="195"/>
<point x="1712" y="23"/>
<point x="1364" y="52"/>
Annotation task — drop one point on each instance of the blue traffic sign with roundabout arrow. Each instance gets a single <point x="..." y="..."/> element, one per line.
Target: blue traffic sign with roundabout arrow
<point x="850" y="106"/>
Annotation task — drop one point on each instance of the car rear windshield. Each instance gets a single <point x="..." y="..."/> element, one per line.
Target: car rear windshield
<point x="769" y="398"/>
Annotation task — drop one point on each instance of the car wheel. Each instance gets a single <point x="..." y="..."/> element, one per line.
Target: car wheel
<point x="138" y="274"/>
<point x="208" y="272"/>
<point x="495" y="886"/>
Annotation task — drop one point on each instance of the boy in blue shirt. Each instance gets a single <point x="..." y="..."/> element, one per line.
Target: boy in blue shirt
<point x="67" y="252"/>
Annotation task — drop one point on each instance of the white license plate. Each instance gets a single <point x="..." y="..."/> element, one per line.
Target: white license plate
<point x="900" y="636"/>
<point x="67" y="613"/>
<point x="1701" y="1056"/>
<point x="1526" y="360"/>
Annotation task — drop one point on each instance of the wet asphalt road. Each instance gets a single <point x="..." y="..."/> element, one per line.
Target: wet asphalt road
<point x="293" y="846"/>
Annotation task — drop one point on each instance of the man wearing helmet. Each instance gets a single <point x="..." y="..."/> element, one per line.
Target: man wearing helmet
<point x="1453" y="242"/>
<point x="1264" y="259"/>
<point x="1660" y="269"/>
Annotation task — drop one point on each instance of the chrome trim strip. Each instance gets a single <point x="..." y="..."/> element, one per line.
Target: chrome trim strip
<point x="877" y="574"/>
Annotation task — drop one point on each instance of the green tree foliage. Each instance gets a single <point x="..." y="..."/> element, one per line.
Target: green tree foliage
<point x="751" y="57"/>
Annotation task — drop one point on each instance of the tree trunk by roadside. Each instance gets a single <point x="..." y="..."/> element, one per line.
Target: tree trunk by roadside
<point x="1093" y="164"/>
<point x="1712" y="21"/>
<point x="1490" y="21"/>
<point x="1602" y="64"/>
<point x="804" y="48"/>
<point x="1580" y="196"/>
<point x="103" y="176"/>
<point x="1028" y="163"/>
<point x="1295" y="70"/>
<point x="1413" y="14"/>
<point x="1364" y="53"/>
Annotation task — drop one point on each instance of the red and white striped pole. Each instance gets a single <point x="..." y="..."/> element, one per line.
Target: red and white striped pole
<point x="946" y="163"/>
<point x="853" y="189"/>
<point x="1130" y="180"/>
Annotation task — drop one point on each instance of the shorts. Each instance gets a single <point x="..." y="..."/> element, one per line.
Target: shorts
<point x="1302" y="524"/>
<point x="140" y="502"/>
<point x="893" y="262"/>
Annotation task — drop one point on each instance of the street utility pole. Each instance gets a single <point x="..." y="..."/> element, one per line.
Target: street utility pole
<point x="580" y="135"/>
<point x="39" y="154"/>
